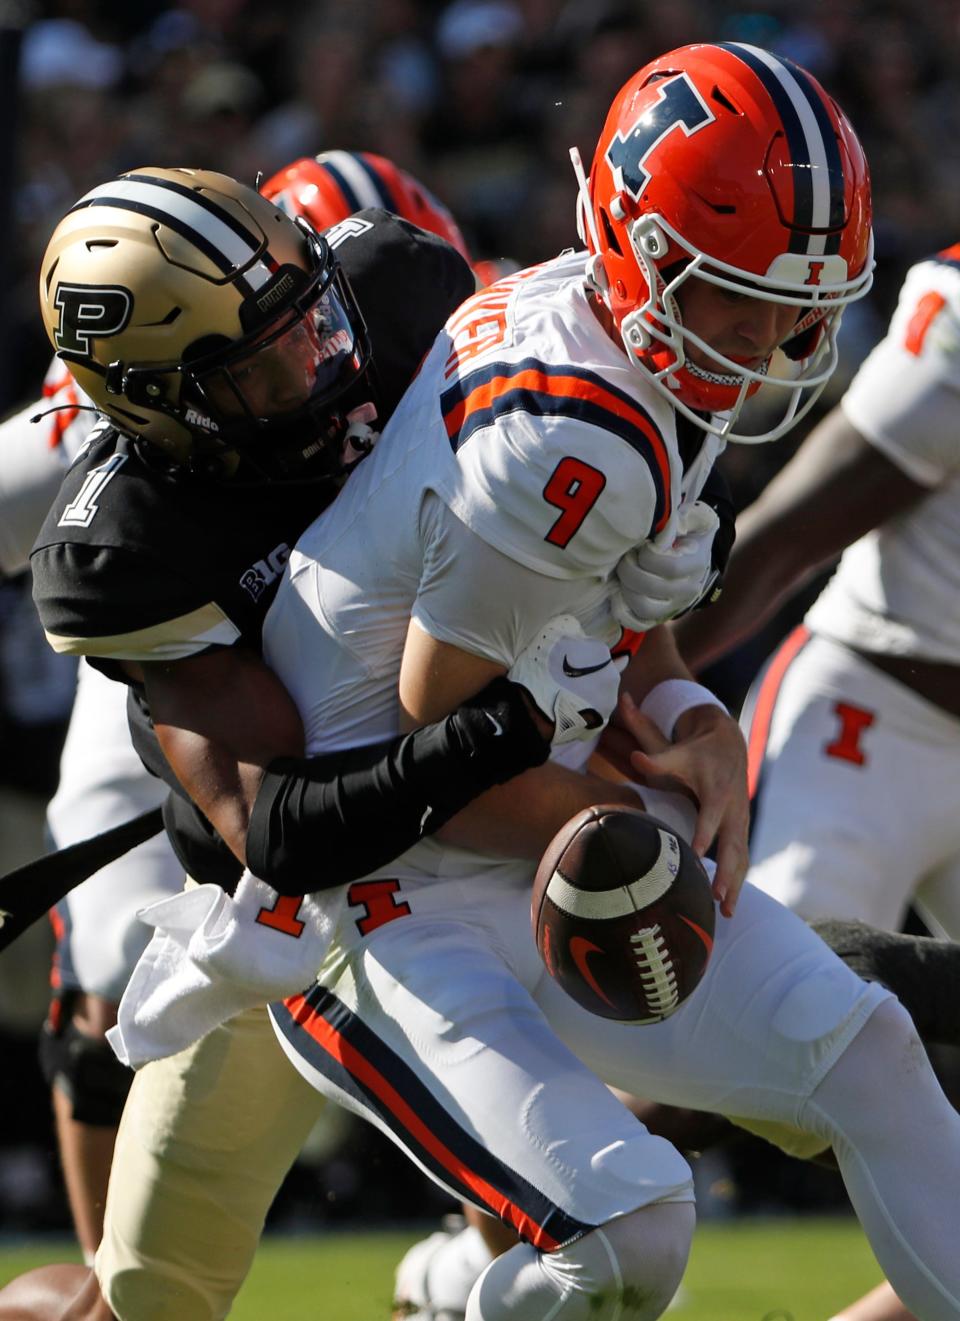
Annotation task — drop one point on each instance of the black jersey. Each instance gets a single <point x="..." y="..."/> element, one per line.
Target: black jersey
<point x="141" y="563"/>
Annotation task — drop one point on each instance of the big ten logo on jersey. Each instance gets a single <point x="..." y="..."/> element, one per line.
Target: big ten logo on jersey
<point x="263" y="573"/>
<point x="346" y="229"/>
<point x="379" y="901"/>
<point x="482" y="323"/>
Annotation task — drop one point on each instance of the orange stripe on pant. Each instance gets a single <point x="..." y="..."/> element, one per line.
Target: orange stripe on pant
<point x="766" y="700"/>
<point x="334" y="1043"/>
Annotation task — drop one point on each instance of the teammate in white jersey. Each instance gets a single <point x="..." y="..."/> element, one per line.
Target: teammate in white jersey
<point x="855" y="722"/>
<point x="728" y="222"/>
<point x="102" y="783"/>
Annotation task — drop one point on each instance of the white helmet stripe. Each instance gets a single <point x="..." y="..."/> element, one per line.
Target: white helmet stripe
<point x="355" y="176"/>
<point x="816" y="149"/>
<point x="229" y="247"/>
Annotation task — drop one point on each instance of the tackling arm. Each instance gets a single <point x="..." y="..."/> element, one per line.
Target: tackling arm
<point x="836" y="488"/>
<point x="221" y="718"/>
<point x="234" y="739"/>
<point x="280" y="812"/>
<point x="518" y="820"/>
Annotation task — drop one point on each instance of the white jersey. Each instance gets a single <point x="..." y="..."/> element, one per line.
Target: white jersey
<point x="524" y="461"/>
<point x="102" y="780"/>
<point x="102" y="784"/>
<point x="559" y="452"/>
<point x="33" y="458"/>
<point x="897" y="588"/>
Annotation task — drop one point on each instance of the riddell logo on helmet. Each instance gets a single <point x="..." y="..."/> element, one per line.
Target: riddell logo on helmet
<point x="273" y="296"/>
<point x="195" y="419"/>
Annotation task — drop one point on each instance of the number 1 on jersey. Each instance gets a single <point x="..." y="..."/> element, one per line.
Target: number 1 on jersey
<point x="283" y="915"/>
<point x="574" y="487"/>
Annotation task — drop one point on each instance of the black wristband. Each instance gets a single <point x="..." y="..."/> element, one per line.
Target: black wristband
<point x="318" y="822"/>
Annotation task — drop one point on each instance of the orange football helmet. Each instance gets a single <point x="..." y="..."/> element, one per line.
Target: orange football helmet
<point x="329" y="187"/>
<point x="732" y="165"/>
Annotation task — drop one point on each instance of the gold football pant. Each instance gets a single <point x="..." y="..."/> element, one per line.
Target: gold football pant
<point x="205" y="1141"/>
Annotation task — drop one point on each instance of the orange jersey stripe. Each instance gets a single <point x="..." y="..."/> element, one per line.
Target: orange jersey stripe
<point x="562" y="386"/>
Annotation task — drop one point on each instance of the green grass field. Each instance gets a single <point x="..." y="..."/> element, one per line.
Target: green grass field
<point x="771" y="1270"/>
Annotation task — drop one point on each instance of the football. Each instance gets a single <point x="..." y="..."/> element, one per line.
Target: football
<point x="622" y="914"/>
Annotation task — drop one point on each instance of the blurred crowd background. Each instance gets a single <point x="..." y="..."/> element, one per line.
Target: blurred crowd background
<point x="481" y="99"/>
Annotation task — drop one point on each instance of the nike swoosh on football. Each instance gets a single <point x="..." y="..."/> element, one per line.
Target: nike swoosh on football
<point x="580" y="951"/>
<point x="707" y="940"/>
<point x="497" y="727"/>
<point x="578" y="671"/>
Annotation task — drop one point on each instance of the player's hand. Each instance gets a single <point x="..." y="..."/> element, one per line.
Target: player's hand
<point x="656" y="583"/>
<point x="708" y="761"/>
<point x="573" y="679"/>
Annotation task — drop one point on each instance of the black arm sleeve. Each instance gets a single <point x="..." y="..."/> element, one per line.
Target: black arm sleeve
<point x="318" y="822"/>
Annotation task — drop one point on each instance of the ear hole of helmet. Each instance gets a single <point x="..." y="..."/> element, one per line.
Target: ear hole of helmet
<point x="609" y="235"/>
<point x="143" y="390"/>
<point x="139" y="387"/>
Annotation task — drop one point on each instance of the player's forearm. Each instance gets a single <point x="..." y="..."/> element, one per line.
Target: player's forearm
<point x="758" y="580"/>
<point x="657" y="660"/>
<point x="223" y="788"/>
<point x="347" y="813"/>
<point x="836" y="487"/>
<point x="221" y="718"/>
<point x="518" y="820"/>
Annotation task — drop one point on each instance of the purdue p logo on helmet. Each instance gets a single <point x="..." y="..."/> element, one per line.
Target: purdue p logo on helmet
<point x="89" y="311"/>
<point x="203" y="320"/>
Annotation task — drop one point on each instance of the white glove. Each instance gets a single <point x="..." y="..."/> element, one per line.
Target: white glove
<point x="656" y="583"/>
<point x="573" y="679"/>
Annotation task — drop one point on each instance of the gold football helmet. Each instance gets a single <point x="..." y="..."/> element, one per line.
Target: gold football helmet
<point x="203" y="320"/>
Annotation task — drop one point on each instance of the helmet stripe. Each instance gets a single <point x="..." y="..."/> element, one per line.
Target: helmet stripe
<point x="388" y="200"/>
<point x="836" y="205"/>
<point x="353" y="182"/>
<point x="203" y="200"/>
<point x="818" y="180"/>
<point x="230" y="247"/>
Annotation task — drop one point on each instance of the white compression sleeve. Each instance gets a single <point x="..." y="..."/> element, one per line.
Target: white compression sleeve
<point x="897" y="1141"/>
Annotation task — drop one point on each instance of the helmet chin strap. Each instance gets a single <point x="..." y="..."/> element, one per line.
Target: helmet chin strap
<point x="586" y="224"/>
<point x="59" y="408"/>
<point x="587" y="229"/>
